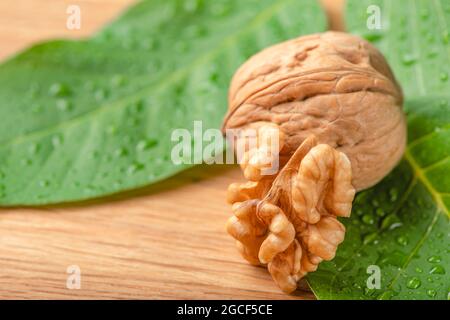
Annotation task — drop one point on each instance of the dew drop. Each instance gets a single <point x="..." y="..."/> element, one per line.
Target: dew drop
<point x="395" y="258"/>
<point x="133" y="122"/>
<point x="408" y="59"/>
<point x="135" y="167"/>
<point x="149" y="44"/>
<point x="393" y="194"/>
<point x="438" y="269"/>
<point x="59" y="90"/>
<point x="192" y="6"/>
<point x="368" y="238"/>
<point x="444" y="76"/>
<point x="27" y="162"/>
<point x="121" y="152"/>
<point x="391" y="222"/>
<point x="402" y="240"/>
<point x="414" y="283"/>
<point x="368" y="219"/>
<point x="100" y="94"/>
<point x="418" y="270"/>
<point x="136" y="107"/>
<point x="431" y="293"/>
<point x="57" y="140"/>
<point x="146" y="144"/>
<point x="33" y="148"/>
<point x="380" y="212"/>
<point x="434" y="259"/>
<point x="118" y="80"/>
<point x="44" y="183"/>
<point x="63" y="105"/>
<point x="357" y="286"/>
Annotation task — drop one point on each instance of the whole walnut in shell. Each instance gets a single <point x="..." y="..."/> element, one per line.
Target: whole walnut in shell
<point x="338" y="109"/>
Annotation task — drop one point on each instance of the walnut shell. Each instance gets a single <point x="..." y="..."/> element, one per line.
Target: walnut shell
<point x="335" y="86"/>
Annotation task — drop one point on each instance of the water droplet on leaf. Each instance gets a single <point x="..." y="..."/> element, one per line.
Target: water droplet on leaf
<point x="368" y="219"/>
<point x="380" y="212"/>
<point x="431" y="293"/>
<point x="391" y="222"/>
<point x="368" y="238"/>
<point x="44" y="183"/>
<point x="133" y="168"/>
<point x="402" y="240"/>
<point x="438" y="269"/>
<point x="118" y="80"/>
<point x="414" y="283"/>
<point x="57" y="140"/>
<point x="100" y="94"/>
<point x="434" y="259"/>
<point x="59" y="90"/>
<point x="120" y="152"/>
<point x="146" y="144"/>
<point x="409" y="59"/>
<point x="63" y="105"/>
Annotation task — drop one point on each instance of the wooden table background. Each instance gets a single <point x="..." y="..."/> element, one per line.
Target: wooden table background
<point x="167" y="241"/>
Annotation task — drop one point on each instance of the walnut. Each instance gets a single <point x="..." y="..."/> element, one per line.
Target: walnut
<point x="292" y="225"/>
<point x="338" y="111"/>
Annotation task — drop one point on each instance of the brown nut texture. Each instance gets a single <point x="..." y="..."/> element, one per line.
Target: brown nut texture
<point x="290" y="223"/>
<point x="333" y="85"/>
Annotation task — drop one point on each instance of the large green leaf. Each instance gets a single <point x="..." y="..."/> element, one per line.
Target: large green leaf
<point x="414" y="37"/>
<point x="402" y="224"/>
<point x="82" y="119"/>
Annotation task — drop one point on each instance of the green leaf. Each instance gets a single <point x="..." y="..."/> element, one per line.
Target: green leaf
<point x="402" y="224"/>
<point x="83" y="119"/>
<point x="414" y="37"/>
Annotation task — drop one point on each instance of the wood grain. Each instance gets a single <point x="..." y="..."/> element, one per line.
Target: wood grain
<point x="166" y="241"/>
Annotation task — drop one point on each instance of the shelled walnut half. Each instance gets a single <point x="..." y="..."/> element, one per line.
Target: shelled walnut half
<point x="338" y="109"/>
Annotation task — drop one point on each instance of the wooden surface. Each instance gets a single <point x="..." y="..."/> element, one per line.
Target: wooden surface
<point x="165" y="241"/>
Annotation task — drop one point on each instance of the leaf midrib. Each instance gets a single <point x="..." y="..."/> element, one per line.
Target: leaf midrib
<point x="165" y="82"/>
<point x="420" y="174"/>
